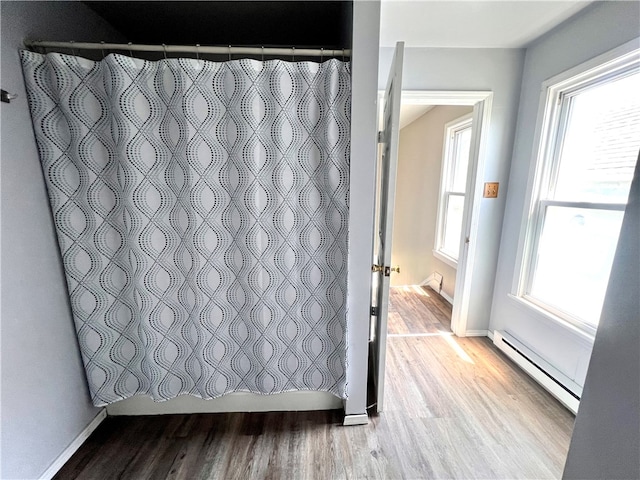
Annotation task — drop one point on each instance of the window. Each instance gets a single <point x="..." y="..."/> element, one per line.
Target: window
<point x="589" y="144"/>
<point x="455" y="163"/>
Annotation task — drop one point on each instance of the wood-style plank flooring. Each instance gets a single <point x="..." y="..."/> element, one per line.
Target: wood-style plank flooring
<point x="455" y="408"/>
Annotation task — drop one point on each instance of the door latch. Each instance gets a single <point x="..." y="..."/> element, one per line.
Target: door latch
<point x="387" y="270"/>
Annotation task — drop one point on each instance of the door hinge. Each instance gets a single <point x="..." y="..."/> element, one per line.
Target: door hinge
<point x="375" y="311"/>
<point x="380" y="136"/>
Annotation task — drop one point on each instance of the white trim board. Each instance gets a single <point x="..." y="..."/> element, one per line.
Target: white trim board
<point x="477" y="333"/>
<point x="447" y="297"/>
<point x="434" y="285"/>
<point x="234" y="402"/>
<point x="444" y="97"/>
<point x="68" y="452"/>
<point x="362" y="419"/>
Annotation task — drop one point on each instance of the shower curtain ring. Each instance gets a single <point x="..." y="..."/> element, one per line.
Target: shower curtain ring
<point x="229" y="52"/>
<point x="130" y="52"/>
<point x="73" y="51"/>
<point x="164" y="47"/>
<point x="293" y="54"/>
<point x="263" y="53"/>
<point x="343" y="54"/>
<point x="197" y="51"/>
<point x="321" y="54"/>
<point x="102" y="49"/>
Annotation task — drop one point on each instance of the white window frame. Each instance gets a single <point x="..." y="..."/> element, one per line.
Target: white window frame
<point x="447" y="169"/>
<point x="544" y="169"/>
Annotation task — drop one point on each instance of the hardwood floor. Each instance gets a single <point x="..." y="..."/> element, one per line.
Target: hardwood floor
<point x="456" y="408"/>
<point x="417" y="310"/>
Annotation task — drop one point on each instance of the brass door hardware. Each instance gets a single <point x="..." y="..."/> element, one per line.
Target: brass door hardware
<point x="387" y="270"/>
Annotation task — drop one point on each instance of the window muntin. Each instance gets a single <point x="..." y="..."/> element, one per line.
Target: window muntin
<point x="591" y="145"/>
<point x="455" y="165"/>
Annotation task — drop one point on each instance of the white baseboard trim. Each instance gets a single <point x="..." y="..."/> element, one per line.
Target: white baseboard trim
<point x="74" y="446"/>
<point x="446" y="297"/>
<point x="490" y="334"/>
<point x="431" y="283"/>
<point x="434" y="285"/>
<point x="361" y="419"/>
<point x="477" y="333"/>
<point x="430" y="278"/>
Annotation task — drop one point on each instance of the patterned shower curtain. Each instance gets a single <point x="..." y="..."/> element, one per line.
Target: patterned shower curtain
<point x="201" y="210"/>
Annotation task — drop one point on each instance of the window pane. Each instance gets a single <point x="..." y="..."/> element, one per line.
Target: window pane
<point x="462" y="143"/>
<point x="601" y="143"/>
<point x="575" y="254"/>
<point x="453" y="226"/>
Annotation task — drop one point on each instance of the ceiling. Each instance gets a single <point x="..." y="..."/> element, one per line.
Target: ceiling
<point x="468" y="24"/>
<point x="471" y="24"/>
<point x="411" y="112"/>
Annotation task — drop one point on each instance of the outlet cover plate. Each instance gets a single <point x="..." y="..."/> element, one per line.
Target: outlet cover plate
<point x="491" y="190"/>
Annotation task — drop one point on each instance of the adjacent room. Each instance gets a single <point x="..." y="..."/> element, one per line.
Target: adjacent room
<point x="320" y="239"/>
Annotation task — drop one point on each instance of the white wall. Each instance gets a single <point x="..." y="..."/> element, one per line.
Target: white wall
<point x="416" y="209"/>
<point x="45" y="400"/>
<point x="593" y="31"/>
<point x="496" y="70"/>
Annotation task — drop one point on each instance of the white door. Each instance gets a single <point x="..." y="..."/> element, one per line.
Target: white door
<point x="388" y="140"/>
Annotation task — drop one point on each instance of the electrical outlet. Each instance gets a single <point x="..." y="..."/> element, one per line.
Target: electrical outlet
<point x="491" y="190"/>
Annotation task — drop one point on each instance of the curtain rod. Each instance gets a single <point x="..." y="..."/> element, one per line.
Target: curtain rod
<point x="197" y="49"/>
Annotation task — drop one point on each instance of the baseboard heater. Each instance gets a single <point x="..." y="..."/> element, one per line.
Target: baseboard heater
<point x="560" y="386"/>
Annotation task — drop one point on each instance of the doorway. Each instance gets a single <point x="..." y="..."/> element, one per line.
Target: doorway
<point x="416" y="224"/>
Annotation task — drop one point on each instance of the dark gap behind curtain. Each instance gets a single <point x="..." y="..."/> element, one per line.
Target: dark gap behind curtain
<point x="201" y="210"/>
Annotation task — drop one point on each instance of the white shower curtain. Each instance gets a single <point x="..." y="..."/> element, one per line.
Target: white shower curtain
<point x="201" y="210"/>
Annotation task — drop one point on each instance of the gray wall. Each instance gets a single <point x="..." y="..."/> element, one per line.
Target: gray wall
<point x="606" y="436"/>
<point x="417" y="198"/>
<point x="595" y="30"/>
<point x="496" y="70"/>
<point x="366" y="31"/>
<point x="45" y="401"/>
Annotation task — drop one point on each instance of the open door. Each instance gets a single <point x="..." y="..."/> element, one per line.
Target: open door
<point x="386" y="184"/>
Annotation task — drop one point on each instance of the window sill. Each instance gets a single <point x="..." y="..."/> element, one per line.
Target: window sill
<point x="585" y="333"/>
<point x="446" y="259"/>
